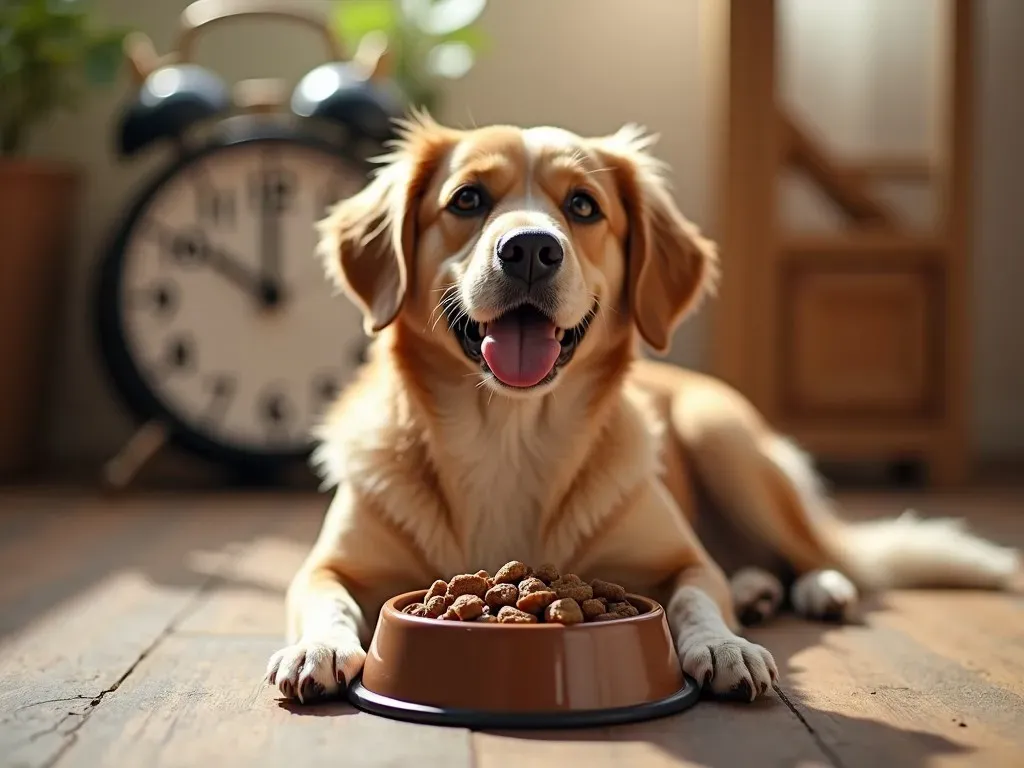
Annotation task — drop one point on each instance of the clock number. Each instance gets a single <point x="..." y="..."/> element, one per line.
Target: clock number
<point x="160" y="299"/>
<point x="179" y="354"/>
<point x="215" y="206"/>
<point x="275" y="412"/>
<point x="272" y="190"/>
<point x="188" y="248"/>
<point x="222" y="389"/>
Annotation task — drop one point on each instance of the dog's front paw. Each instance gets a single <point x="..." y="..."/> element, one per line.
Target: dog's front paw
<point x="311" y="670"/>
<point x="731" y="667"/>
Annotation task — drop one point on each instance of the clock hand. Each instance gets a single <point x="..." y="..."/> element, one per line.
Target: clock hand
<point x="193" y="249"/>
<point x="235" y="271"/>
<point x="271" y="203"/>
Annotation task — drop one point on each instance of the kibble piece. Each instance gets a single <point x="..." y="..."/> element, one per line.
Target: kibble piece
<point x="483" y="574"/>
<point x="574" y="589"/>
<point x="573" y="578"/>
<point x="436" y="606"/>
<point x="613" y="592"/>
<point x="607" y="617"/>
<point x="564" y="611"/>
<point x="532" y="584"/>
<point x="622" y="608"/>
<point x="416" y="609"/>
<point x="467" y="584"/>
<point x="467" y="607"/>
<point x="547" y="573"/>
<point x="486" y="618"/>
<point x="592" y="608"/>
<point x="536" y="602"/>
<point x="501" y="594"/>
<point x="511" y="573"/>
<point x="510" y="615"/>
<point x="439" y="587"/>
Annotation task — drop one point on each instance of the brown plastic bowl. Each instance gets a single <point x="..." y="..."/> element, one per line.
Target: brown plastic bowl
<point x="522" y="675"/>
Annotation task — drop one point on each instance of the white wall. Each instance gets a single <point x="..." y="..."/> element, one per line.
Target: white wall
<point x="591" y="65"/>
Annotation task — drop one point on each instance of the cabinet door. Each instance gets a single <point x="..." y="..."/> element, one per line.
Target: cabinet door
<point x="859" y="343"/>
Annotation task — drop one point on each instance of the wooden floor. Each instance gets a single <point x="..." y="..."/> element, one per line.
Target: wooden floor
<point x="134" y="632"/>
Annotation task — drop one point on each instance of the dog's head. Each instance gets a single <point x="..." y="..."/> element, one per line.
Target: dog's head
<point x="520" y="252"/>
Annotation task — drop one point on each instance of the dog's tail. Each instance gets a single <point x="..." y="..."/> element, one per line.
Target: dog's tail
<point x="907" y="551"/>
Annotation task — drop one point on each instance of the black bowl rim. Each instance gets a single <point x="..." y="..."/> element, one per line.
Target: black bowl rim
<point x="367" y="701"/>
<point x="654" y="614"/>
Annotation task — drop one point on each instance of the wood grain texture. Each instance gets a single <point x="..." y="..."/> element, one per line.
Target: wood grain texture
<point x="874" y="696"/>
<point x="146" y="642"/>
<point x="199" y="700"/>
<point x="89" y="587"/>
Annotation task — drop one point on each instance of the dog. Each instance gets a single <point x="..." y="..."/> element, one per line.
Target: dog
<point x="510" y="278"/>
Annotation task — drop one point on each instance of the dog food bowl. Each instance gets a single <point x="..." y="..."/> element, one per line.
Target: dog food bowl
<point x="502" y="676"/>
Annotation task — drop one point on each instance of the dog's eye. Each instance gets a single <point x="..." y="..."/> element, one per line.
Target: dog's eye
<point x="582" y="207"/>
<point x="468" y="201"/>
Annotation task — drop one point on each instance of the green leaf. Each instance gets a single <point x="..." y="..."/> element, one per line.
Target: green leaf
<point x="103" y="59"/>
<point x="353" y="19"/>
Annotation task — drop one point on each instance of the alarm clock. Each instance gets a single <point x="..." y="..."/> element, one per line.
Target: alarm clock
<point x="214" y="317"/>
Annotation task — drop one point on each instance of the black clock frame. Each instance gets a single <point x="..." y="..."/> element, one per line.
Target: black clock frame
<point x="122" y="370"/>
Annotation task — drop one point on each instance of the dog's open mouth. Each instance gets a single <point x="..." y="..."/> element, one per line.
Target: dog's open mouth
<point x="522" y="348"/>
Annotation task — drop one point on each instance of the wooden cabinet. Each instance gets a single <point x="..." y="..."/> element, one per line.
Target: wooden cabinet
<point x="861" y="343"/>
<point x="855" y="341"/>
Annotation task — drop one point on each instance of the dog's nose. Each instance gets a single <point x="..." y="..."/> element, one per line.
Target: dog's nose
<point x="529" y="255"/>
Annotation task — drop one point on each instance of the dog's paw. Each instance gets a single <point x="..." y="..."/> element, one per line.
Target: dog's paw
<point x="756" y="595"/>
<point x="824" y="595"/>
<point x="311" y="670"/>
<point x="731" y="667"/>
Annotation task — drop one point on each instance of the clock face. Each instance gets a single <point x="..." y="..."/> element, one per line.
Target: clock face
<point x="226" y="313"/>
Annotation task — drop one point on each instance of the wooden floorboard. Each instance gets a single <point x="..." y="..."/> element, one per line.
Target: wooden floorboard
<point x="134" y="632"/>
<point x="196" y="702"/>
<point x="88" y="588"/>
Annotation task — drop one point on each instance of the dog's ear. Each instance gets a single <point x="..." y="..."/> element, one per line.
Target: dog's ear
<point x="671" y="266"/>
<point x="368" y="241"/>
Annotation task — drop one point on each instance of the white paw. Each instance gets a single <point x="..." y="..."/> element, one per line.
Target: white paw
<point x="730" y="666"/>
<point x="824" y="595"/>
<point x="312" y="670"/>
<point x="756" y="595"/>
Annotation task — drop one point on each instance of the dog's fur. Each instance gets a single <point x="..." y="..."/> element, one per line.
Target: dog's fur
<point x="440" y="469"/>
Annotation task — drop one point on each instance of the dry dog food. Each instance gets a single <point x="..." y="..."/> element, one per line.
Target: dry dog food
<point x="518" y="594"/>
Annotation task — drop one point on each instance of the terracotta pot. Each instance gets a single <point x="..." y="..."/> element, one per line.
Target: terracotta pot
<point x="36" y="216"/>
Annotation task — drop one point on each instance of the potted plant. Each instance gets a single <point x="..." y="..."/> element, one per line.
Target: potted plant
<point x="427" y="41"/>
<point x="49" y="54"/>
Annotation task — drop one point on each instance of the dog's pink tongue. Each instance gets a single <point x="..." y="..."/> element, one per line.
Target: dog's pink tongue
<point x="520" y="351"/>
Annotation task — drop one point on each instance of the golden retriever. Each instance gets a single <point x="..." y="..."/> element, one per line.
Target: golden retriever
<point x="510" y="276"/>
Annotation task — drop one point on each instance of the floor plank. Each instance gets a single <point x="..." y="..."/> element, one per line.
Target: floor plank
<point x="544" y="749"/>
<point x="134" y="631"/>
<point x="765" y="733"/>
<point x="197" y="700"/>
<point x="105" y="582"/>
<point x="248" y="598"/>
<point x="874" y="696"/>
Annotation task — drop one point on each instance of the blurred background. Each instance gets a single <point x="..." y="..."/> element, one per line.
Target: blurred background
<point x="868" y="85"/>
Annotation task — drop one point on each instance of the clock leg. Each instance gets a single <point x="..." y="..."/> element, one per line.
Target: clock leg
<point x="143" y="445"/>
